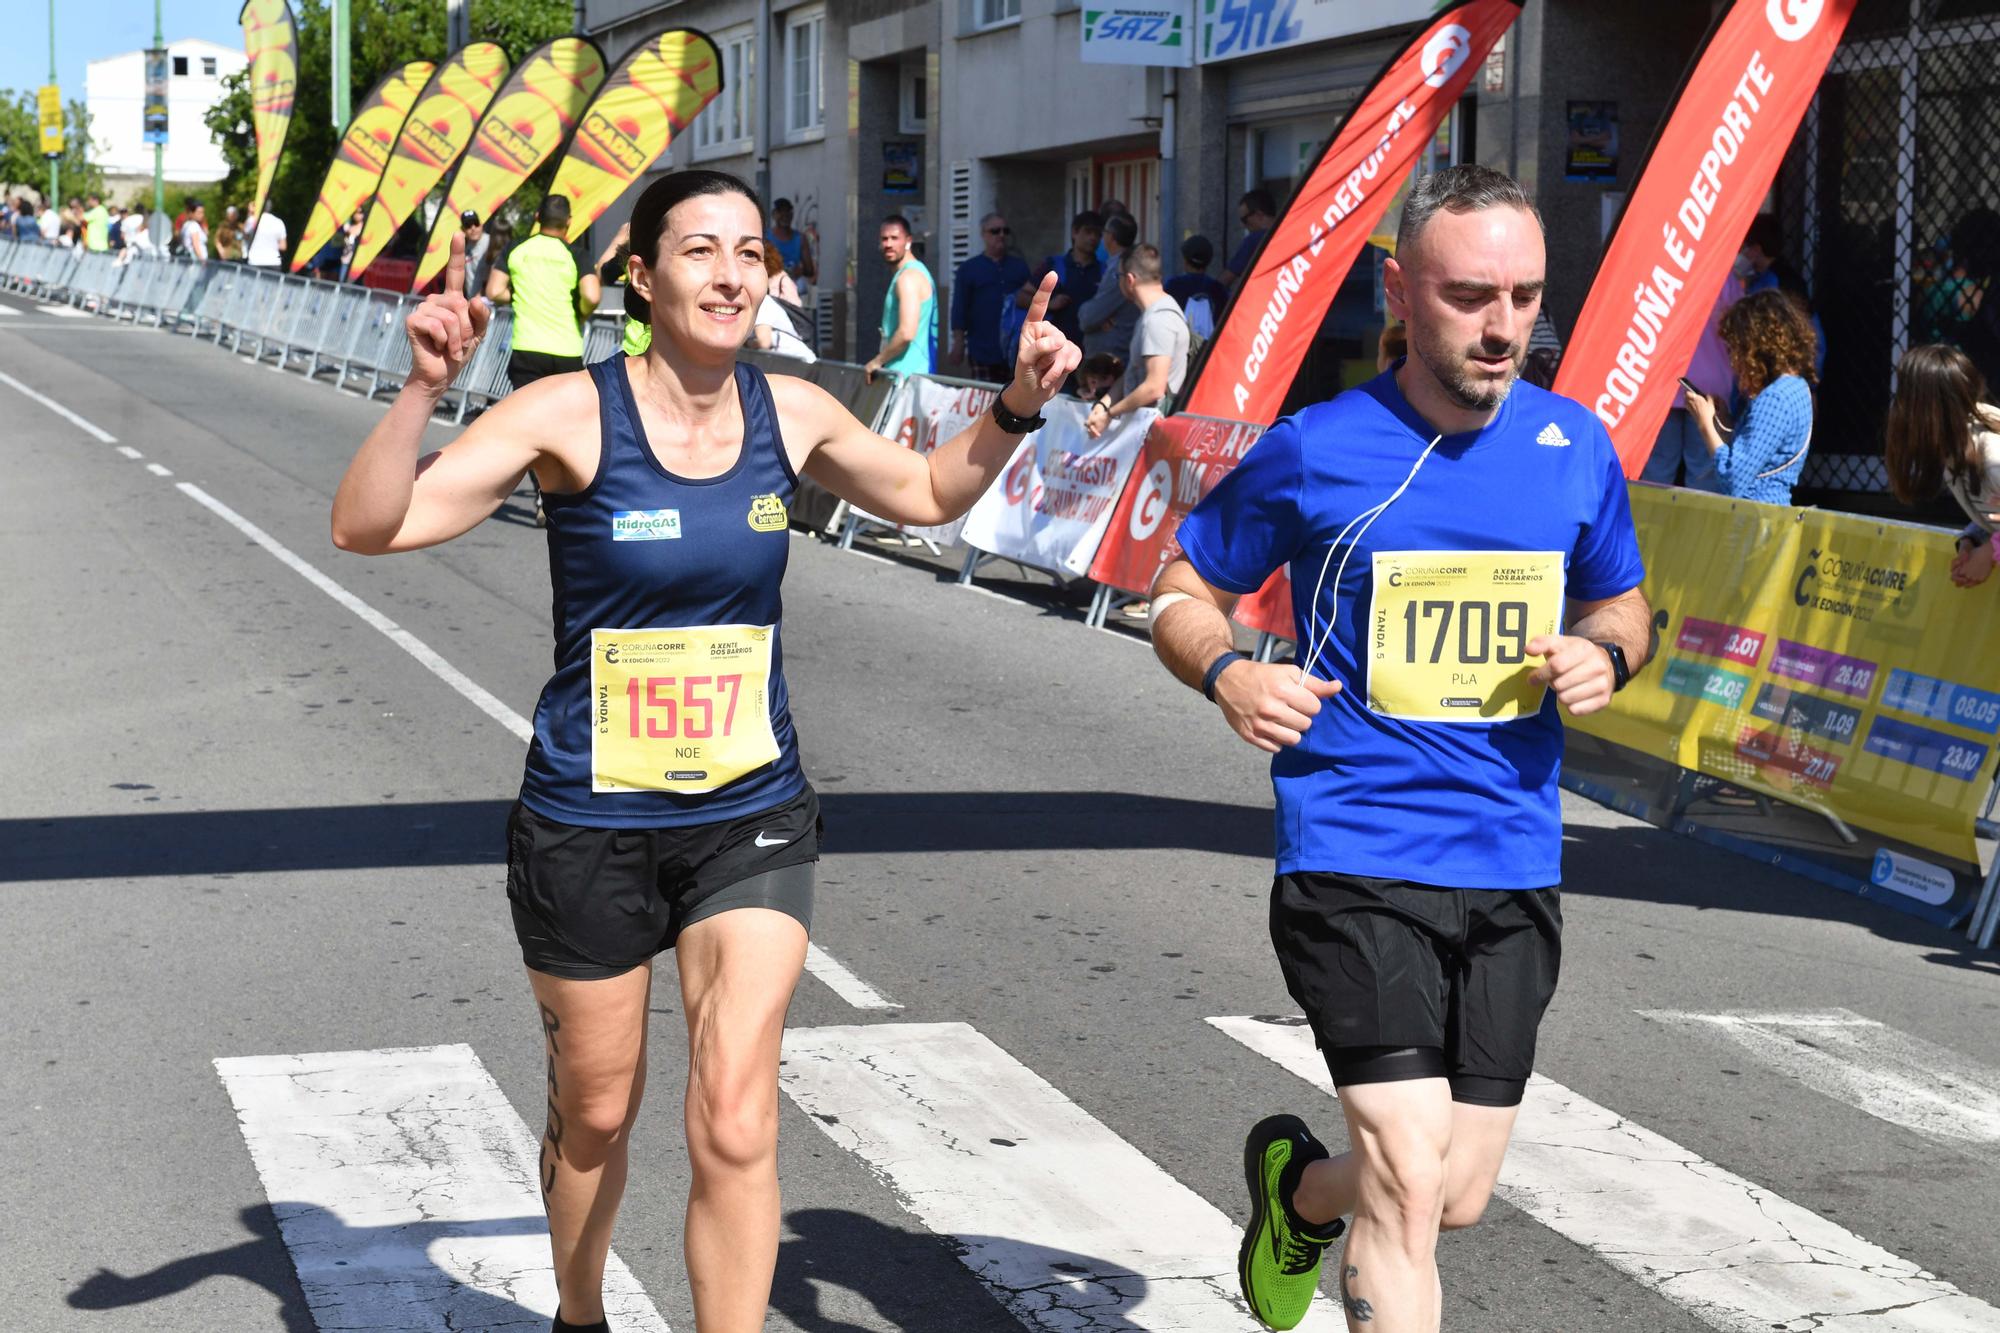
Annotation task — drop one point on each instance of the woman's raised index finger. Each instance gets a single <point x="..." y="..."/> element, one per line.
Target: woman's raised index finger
<point x="454" y="270"/>
<point x="1038" y="309"/>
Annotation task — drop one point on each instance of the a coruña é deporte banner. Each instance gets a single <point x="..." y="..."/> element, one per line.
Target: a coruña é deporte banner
<point x="1702" y="184"/>
<point x="527" y="124"/>
<point x="1822" y="658"/>
<point x="651" y="96"/>
<point x="271" y="40"/>
<point x="436" y="133"/>
<point x="357" y="165"/>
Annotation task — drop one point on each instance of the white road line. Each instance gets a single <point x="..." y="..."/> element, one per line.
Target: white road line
<point x="486" y="702"/>
<point x="835" y="976"/>
<point x="95" y="432"/>
<point x="1868" y="1065"/>
<point x="1731" y="1253"/>
<point x="1068" y="1225"/>
<point x="159" y="471"/>
<point x="64" y="311"/>
<point x="130" y="452"/>
<point x="405" y="1187"/>
<point x="9" y="310"/>
<point x="822" y="965"/>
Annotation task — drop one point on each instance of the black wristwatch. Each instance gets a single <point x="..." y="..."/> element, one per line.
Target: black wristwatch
<point x="1215" y="670"/>
<point x="1620" y="673"/>
<point x="1012" y="424"/>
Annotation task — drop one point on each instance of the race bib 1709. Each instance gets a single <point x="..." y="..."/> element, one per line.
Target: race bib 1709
<point x="1449" y="633"/>
<point x="680" y="710"/>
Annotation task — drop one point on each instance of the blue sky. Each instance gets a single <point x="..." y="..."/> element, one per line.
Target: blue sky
<point x="88" y="30"/>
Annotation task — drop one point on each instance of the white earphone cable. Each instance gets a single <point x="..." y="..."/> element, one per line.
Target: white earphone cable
<point x="1313" y="624"/>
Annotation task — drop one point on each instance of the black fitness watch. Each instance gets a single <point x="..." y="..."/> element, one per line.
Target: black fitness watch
<point x="1620" y="673"/>
<point x="1014" y="425"/>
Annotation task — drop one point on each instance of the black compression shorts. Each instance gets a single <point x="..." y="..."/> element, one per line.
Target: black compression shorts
<point x="1403" y="981"/>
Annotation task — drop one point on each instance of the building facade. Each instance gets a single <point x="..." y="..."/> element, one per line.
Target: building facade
<point x="115" y="94"/>
<point x="943" y="110"/>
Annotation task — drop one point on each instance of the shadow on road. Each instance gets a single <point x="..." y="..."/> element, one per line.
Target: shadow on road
<point x="440" y="833"/>
<point x="895" y="1272"/>
<point x="435" y="1300"/>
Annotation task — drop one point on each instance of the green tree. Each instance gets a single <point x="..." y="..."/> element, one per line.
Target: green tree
<point x="21" y="160"/>
<point x="386" y="34"/>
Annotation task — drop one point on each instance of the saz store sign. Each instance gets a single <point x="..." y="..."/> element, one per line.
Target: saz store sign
<point x="1156" y="33"/>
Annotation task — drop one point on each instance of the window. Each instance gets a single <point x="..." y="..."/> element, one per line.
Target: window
<point x="991" y="13"/>
<point x="208" y="66"/>
<point x="180" y="67"/>
<point x="913" y="100"/>
<point x="729" y="123"/>
<point x="805" y="101"/>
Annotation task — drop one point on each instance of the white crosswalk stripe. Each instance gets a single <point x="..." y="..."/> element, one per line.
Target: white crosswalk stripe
<point x="1730" y="1252"/>
<point x="1068" y="1225"/>
<point x="1868" y="1065"/>
<point x="404" y="1186"/>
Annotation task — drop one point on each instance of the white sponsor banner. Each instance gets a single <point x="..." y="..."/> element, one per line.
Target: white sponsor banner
<point x="922" y="415"/>
<point x="1232" y="28"/>
<point x="1054" y="502"/>
<point x="1138" y="32"/>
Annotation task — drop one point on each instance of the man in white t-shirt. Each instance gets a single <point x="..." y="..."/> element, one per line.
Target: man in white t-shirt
<point x="267" y="240"/>
<point x="50" y="223"/>
<point x="194" y="234"/>
<point x="1158" y="357"/>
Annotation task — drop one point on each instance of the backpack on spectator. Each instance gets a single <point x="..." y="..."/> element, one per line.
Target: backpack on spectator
<point x="1200" y="312"/>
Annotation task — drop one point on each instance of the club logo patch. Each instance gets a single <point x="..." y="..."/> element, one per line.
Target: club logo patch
<point x="767" y="513"/>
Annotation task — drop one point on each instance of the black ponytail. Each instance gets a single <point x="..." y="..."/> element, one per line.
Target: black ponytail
<point x="649" y="219"/>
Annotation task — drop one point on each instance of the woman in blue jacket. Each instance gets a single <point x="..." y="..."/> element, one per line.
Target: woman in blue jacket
<point x="1771" y="350"/>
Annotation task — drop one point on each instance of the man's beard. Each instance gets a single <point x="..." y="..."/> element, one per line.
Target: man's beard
<point x="1448" y="367"/>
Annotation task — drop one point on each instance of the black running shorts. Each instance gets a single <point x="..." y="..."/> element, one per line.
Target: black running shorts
<point x="1404" y="980"/>
<point x="594" y="902"/>
<point x="524" y="368"/>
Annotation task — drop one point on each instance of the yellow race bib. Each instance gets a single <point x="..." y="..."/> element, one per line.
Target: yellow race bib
<point x="680" y="710"/>
<point x="1449" y="633"/>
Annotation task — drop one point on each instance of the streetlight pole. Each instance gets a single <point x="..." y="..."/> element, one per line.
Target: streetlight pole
<point x="159" y="149"/>
<point x="55" y="168"/>
<point x="337" y="12"/>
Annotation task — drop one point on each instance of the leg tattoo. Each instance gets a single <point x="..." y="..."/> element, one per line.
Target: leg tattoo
<point x="1360" y="1311"/>
<point x="552" y="1134"/>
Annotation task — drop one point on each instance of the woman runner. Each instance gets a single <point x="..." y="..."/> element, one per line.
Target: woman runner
<point x="664" y="805"/>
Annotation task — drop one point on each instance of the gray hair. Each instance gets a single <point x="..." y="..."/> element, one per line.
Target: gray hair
<point x="1466" y="188"/>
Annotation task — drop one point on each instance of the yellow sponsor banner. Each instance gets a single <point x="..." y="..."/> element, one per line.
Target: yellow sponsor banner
<point x="433" y="138"/>
<point x="357" y="166"/>
<point x="527" y="123"/>
<point x="49" y="119"/>
<point x="271" y="40"/>
<point x="652" y="96"/>
<point x="1825" y="659"/>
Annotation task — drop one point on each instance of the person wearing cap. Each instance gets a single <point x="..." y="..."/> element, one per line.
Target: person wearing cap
<point x="478" y="246"/>
<point x="551" y="294"/>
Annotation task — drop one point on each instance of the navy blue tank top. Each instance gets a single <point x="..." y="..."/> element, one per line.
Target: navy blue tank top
<point x="641" y="548"/>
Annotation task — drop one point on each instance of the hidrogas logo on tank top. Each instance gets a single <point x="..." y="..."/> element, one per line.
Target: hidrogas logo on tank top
<point x="646" y="525"/>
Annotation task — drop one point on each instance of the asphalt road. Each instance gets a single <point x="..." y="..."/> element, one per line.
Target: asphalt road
<point x="239" y="820"/>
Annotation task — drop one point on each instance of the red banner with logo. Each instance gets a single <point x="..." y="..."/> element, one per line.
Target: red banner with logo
<point x="1182" y="460"/>
<point x="1702" y="184"/>
<point x="1248" y="366"/>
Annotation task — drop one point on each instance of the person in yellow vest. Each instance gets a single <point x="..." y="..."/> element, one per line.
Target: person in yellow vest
<point x="551" y="297"/>
<point x="96" y="226"/>
<point x="611" y="272"/>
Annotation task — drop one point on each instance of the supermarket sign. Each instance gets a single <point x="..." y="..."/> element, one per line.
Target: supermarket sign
<point x="1144" y="32"/>
<point x="1230" y="29"/>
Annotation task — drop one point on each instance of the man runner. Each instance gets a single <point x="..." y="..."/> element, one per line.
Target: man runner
<point x="1441" y="532"/>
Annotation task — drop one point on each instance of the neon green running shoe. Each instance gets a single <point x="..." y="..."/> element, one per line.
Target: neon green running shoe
<point x="1278" y="1263"/>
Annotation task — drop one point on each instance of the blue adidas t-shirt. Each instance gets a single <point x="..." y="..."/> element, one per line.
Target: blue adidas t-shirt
<point x="1471" y="805"/>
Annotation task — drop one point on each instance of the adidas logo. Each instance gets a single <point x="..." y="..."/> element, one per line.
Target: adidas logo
<point x="1553" y="437"/>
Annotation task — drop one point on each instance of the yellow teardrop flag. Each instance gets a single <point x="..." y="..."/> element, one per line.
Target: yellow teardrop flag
<point x="356" y="168"/>
<point x="271" y="40"/>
